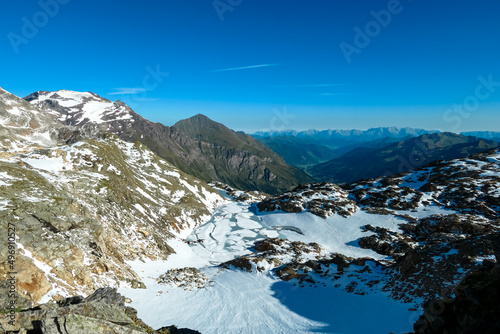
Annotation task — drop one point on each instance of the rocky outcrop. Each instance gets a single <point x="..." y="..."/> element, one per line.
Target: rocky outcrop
<point x="186" y="278"/>
<point x="320" y="199"/>
<point x="239" y="195"/>
<point x="102" y="312"/>
<point x="275" y="252"/>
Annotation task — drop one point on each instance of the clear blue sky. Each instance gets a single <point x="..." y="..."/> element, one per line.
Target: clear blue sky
<point x="268" y="64"/>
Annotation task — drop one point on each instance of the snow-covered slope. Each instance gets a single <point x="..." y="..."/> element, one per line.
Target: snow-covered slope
<point x="83" y="209"/>
<point x="79" y="108"/>
<point x="258" y="301"/>
<point x="92" y="210"/>
<point x="21" y="124"/>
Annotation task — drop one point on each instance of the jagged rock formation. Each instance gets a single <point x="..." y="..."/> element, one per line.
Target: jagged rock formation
<point x="102" y="312"/>
<point x="198" y="146"/>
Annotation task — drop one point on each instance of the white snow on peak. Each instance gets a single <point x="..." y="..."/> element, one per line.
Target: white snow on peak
<point x="95" y="110"/>
<point x="85" y="106"/>
<point x="66" y="98"/>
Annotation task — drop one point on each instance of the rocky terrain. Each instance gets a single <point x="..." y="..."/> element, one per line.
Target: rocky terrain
<point x="474" y="309"/>
<point x="104" y="312"/>
<point x="198" y="146"/>
<point x="80" y="209"/>
<point x="427" y="253"/>
<point x="321" y="199"/>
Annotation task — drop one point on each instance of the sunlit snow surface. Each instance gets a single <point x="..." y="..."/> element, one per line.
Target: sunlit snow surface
<point x="258" y="302"/>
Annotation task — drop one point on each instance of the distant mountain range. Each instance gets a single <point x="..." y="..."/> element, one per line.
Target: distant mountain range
<point x="362" y="135"/>
<point x="349" y="155"/>
<point x="403" y="156"/>
<point x="308" y="148"/>
<point x="493" y="135"/>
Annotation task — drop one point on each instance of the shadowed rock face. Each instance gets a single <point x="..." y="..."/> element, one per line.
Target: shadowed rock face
<point x="102" y="312"/>
<point x="475" y="309"/>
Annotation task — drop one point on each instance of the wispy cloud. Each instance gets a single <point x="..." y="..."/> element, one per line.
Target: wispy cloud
<point x="127" y="91"/>
<point x="330" y="94"/>
<point x="324" y="85"/>
<point x="242" y="68"/>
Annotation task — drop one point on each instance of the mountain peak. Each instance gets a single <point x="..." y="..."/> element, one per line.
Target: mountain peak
<point x="201" y="127"/>
<point x="66" y="98"/>
<point x="200" y="117"/>
<point x="78" y="108"/>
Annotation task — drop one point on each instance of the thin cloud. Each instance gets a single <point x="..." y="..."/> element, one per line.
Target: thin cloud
<point x="312" y="85"/>
<point x="330" y="94"/>
<point x="241" y="68"/>
<point x="323" y="85"/>
<point x="128" y="91"/>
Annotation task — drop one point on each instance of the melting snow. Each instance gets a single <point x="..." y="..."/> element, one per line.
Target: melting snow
<point x="258" y="302"/>
<point x="48" y="164"/>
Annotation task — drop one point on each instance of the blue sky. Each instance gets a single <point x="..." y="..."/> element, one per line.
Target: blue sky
<point x="261" y="64"/>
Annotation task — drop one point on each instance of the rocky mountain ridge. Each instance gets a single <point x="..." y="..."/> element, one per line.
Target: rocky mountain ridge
<point x="234" y="158"/>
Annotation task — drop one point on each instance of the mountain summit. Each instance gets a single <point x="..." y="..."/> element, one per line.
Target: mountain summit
<point x="77" y="108"/>
<point x="238" y="159"/>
